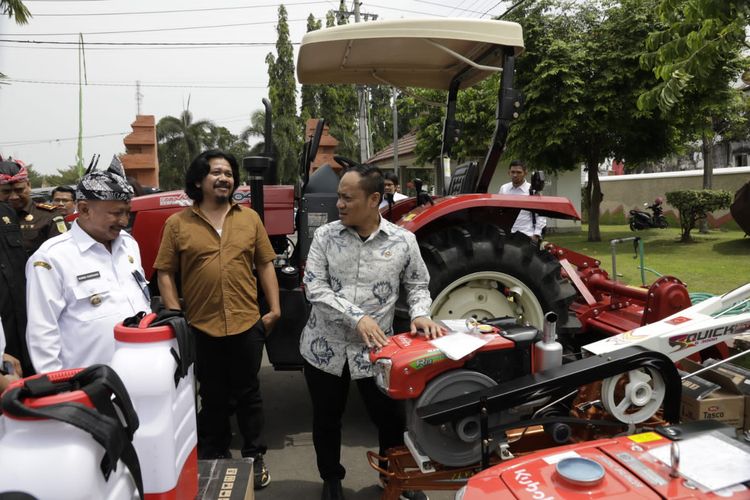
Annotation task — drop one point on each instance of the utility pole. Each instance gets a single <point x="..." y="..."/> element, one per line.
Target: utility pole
<point x="395" y="134"/>
<point x="364" y="130"/>
<point x="138" y="97"/>
<point x="363" y="127"/>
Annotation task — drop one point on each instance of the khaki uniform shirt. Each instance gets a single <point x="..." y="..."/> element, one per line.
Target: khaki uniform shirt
<point x="40" y="222"/>
<point x="216" y="271"/>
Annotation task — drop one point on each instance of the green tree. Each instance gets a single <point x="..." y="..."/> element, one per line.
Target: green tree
<point x="64" y="177"/>
<point x="282" y="90"/>
<point x="338" y="105"/>
<point x="257" y="128"/>
<point x="696" y="56"/>
<point x="581" y="78"/>
<point x="180" y="139"/>
<point x="475" y="112"/>
<point x="16" y="10"/>
<point x="381" y="116"/>
<point x="699" y="37"/>
<point x="310" y="94"/>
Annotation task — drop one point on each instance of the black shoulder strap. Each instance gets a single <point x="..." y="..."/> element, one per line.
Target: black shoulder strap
<point x="112" y="423"/>
<point x="185" y="354"/>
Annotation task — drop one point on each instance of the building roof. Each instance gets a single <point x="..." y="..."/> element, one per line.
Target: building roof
<point x="406" y="145"/>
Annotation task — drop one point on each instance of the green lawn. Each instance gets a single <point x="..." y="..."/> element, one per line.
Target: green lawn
<point x="715" y="263"/>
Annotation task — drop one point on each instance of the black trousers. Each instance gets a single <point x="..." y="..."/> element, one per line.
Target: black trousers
<point x="227" y="370"/>
<point x="329" y="394"/>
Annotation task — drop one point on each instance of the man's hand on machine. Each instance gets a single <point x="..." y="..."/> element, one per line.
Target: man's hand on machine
<point x="370" y="333"/>
<point x="425" y="326"/>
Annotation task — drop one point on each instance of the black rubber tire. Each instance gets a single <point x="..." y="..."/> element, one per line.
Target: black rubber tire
<point x="457" y="251"/>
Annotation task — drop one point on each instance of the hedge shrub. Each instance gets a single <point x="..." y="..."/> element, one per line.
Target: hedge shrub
<point x="695" y="204"/>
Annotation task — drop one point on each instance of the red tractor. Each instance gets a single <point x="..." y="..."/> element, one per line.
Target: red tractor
<point x="478" y="269"/>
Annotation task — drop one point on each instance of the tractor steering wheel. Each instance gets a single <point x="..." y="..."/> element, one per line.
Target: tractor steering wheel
<point x="345" y="162"/>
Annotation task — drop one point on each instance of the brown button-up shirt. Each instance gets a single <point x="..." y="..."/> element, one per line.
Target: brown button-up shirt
<point x="216" y="271"/>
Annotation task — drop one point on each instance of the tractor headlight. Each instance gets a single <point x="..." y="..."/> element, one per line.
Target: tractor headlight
<point x="382" y="371"/>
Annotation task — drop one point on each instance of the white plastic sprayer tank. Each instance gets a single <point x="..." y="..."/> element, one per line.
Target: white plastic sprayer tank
<point x="166" y="440"/>
<point x="52" y="459"/>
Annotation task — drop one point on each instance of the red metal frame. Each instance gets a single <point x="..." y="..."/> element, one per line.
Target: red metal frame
<point x="611" y="307"/>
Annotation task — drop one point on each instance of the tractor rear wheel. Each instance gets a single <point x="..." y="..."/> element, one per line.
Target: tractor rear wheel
<point x="477" y="271"/>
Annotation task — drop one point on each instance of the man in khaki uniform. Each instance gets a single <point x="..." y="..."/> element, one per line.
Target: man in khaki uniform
<point x="39" y="221"/>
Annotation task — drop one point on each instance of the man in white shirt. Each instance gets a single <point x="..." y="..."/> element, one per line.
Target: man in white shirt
<point x="391" y="187"/>
<point x="82" y="283"/>
<point x="527" y="223"/>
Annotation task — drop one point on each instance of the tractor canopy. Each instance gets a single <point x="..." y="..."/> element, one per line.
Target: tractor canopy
<point x="427" y="53"/>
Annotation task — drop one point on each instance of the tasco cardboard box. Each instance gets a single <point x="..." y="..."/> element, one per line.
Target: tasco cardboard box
<point x="740" y="377"/>
<point x="711" y="395"/>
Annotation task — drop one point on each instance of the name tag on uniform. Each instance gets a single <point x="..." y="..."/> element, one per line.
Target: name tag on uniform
<point x="88" y="276"/>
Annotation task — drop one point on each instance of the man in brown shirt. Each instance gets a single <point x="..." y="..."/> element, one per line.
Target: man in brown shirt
<point x="214" y="246"/>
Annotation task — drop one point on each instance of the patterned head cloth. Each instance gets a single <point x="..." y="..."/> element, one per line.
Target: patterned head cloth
<point x="12" y="172"/>
<point x="108" y="185"/>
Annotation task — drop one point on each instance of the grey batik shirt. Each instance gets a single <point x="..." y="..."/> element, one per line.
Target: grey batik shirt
<point x="346" y="279"/>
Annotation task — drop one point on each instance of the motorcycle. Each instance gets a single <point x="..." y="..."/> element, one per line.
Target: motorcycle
<point x="640" y="219"/>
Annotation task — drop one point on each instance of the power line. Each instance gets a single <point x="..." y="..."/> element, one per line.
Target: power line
<point x="116" y="48"/>
<point x="211" y="9"/>
<point x="492" y="8"/>
<point x="146" y="44"/>
<point x="386" y="7"/>
<point x="152" y="30"/>
<point x="62" y="45"/>
<point x="509" y="9"/>
<point x="64" y="139"/>
<point x="447" y="6"/>
<point x="143" y="85"/>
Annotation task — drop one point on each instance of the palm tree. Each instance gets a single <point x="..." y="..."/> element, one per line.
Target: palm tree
<point x="192" y="135"/>
<point x="255" y="129"/>
<point x="180" y="140"/>
<point x="15" y="9"/>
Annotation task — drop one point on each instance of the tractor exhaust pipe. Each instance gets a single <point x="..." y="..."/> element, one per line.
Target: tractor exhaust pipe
<point x="261" y="169"/>
<point x="548" y="351"/>
<point x="256" y="168"/>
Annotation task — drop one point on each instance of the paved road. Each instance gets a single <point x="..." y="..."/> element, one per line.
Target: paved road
<point x="291" y="457"/>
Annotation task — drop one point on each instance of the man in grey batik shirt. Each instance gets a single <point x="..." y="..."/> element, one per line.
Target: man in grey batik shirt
<point x="354" y="270"/>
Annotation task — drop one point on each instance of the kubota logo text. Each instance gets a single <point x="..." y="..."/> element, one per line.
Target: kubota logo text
<point x="532" y="487"/>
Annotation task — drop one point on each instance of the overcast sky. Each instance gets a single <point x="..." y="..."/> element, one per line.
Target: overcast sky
<point x="39" y="106"/>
